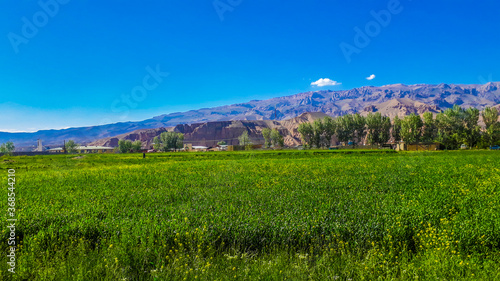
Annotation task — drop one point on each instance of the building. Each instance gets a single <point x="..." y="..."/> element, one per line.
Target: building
<point x="242" y="147"/>
<point x="39" y="146"/>
<point x="85" y="149"/>
<point x="423" y="146"/>
<point x="191" y="147"/>
<point x="199" y="148"/>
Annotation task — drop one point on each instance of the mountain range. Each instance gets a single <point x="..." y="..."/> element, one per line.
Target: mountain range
<point x="390" y="100"/>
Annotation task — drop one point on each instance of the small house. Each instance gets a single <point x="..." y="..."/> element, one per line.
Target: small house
<point x="85" y="149"/>
<point x="421" y="146"/>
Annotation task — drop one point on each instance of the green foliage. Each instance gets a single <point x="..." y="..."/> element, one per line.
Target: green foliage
<point x="124" y="146"/>
<point x="179" y="143"/>
<point x="7" y="147"/>
<point x="345" y="128"/>
<point x="270" y="215"/>
<point x="359" y="132"/>
<point x="266" y="133"/>
<point x="221" y="143"/>
<point x="136" y="146"/>
<point x="378" y="128"/>
<point x="351" y="127"/>
<point x="156" y="144"/>
<point x="490" y="117"/>
<point x="458" y="126"/>
<point x="71" y="146"/>
<point x="244" y="140"/>
<point x="429" y="131"/>
<point x="411" y="128"/>
<point x="396" y="128"/>
<point x="168" y="141"/>
<point x="319" y="133"/>
<point x="307" y="134"/>
<point x="277" y="139"/>
<point x="492" y="134"/>
<point x="385" y="134"/>
<point x="329" y="127"/>
<point x="317" y="127"/>
<point x="452" y="127"/>
<point x="471" y="131"/>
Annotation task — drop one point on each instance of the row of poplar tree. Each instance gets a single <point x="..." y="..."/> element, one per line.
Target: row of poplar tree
<point x="167" y="141"/>
<point x="452" y="128"/>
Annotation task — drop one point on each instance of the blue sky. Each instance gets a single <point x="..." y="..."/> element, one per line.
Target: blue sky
<point x="75" y="63"/>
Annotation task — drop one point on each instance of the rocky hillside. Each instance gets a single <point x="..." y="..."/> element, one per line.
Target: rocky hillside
<point x="209" y="133"/>
<point x="401" y="107"/>
<point x="390" y="100"/>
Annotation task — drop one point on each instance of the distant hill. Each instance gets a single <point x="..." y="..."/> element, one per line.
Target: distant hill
<point x="209" y="133"/>
<point x="397" y="99"/>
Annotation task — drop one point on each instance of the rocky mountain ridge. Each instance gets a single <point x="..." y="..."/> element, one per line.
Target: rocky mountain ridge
<point x="209" y="133"/>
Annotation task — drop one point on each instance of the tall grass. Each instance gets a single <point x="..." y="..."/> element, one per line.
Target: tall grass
<point x="317" y="215"/>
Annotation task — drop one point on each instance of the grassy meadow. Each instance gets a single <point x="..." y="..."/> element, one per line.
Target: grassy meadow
<point x="268" y="215"/>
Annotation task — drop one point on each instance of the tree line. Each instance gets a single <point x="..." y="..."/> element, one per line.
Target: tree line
<point x="453" y="127"/>
<point x="168" y="141"/>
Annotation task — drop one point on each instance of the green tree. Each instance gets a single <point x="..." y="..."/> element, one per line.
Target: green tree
<point x="277" y="139"/>
<point x="136" y="146"/>
<point x="396" y="129"/>
<point x="411" y="128"/>
<point x="445" y="128"/>
<point x="329" y="127"/>
<point x="492" y="132"/>
<point x="124" y="146"/>
<point x="169" y="141"/>
<point x="429" y="131"/>
<point x="7" y="147"/>
<point x="317" y="127"/>
<point x="490" y="117"/>
<point x="306" y="133"/>
<point x="451" y="126"/>
<point x="180" y="141"/>
<point x="359" y="128"/>
<point x="221" y="143"/>
<point x="457" y="125"/>
<point x="374" y="127"/>
<point x="378" y="128"/>
<point x="345" y="128"/>
<point x="244" y="140"/>
<point x="157" y="144"/>
<point x="71" y="146"/>
<point x="471" y="132"/>
<point x="385" y="134"/>
<point x="266" y="133"/>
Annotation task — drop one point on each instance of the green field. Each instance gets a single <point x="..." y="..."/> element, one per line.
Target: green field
<point x="295" y="215"/>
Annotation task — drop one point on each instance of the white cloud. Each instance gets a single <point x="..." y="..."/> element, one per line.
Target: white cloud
<point x="325" y="82"/>
<point x="371" y="77"/>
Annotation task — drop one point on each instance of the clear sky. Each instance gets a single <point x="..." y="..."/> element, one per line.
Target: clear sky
<point x="73" y="63"/>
